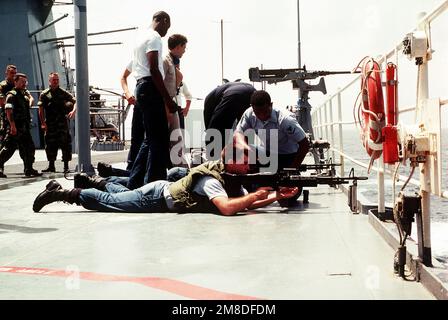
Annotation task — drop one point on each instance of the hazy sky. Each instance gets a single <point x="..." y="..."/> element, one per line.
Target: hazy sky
<point x="335" y="35"/>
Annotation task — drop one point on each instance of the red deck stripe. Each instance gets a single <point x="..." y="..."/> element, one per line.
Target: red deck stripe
<point x="174" y="286"/>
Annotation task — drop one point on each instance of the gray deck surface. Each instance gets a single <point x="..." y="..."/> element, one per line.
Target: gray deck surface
<point x="321" y="251"/>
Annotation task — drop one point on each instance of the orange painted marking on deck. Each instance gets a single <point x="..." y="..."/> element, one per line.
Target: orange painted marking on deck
<point x="173" y="286"/>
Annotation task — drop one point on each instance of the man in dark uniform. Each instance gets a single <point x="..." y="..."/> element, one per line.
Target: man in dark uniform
<point x="224" y="105"/>
<point x="18" y="133"/>
<point x="55" y="108"/>
<point x="5" y="86"/>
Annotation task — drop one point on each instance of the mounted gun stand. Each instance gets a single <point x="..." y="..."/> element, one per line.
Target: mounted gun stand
<point x="303" y="114"/>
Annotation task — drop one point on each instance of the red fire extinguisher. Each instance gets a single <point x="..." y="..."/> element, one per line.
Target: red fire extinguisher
<point x="389" y="132"/>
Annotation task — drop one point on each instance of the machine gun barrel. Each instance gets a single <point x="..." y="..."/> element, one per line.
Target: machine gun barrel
<point x="279" y="75"/>
<point x="287" y="178"/>
<point x="306" y="167"/>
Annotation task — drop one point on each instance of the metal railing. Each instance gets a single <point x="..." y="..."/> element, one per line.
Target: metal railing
<point x="325" y="127"/>
<point x="114" y="111"/>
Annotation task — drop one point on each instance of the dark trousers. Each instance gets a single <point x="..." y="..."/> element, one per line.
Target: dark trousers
<point x="122" y="177"/>
<point x="24" y="142"/>
<point x="286" y="160"/>
<point x="120" y="172"/>
<point x="181" y="120"/>
<point x="58" y="139"/>
<point x="153" y="157"/>
<point x="137" y="135"/>
<point x="224" y="114"/>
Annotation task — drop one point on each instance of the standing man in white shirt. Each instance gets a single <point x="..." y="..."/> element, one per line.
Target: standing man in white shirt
<point x="177" y="44"/>
<point x="153" y="158"/>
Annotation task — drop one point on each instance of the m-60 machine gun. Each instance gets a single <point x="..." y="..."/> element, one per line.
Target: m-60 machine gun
<point x="298" y="76"/>
<point x="295" y="75"/>
<point x="290" y="177"/>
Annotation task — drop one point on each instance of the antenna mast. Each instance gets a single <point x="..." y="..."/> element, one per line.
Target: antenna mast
<point x="222" y="50"/>
<point x="298" y="34"/>
<point x="299" y="57"/>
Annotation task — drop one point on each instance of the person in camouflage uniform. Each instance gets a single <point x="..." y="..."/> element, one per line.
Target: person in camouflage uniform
<point x="18" y="135"/>
<point x="56" y="106"/>
<point x="5" y="86"/>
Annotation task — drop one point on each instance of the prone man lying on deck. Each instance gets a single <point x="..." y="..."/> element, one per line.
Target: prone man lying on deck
<point x="203" y="189"/>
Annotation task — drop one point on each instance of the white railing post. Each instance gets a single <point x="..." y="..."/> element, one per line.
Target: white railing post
<point x="380" y="172"/>
<point x="320" y="123"/>
<point x="331" y="128"/>
<point x="425" y="173"/>
<point x="380" y="177"/>
<point x="326" y="120"/>
<point x="341" y="146"/>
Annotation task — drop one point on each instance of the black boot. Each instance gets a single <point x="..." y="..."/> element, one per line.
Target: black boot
<point x="66" y="169"/>
<point x="50" y="168"/>
<point x="32" y="173"/>
<point x="104" y="169"/>
<point x="55" y="193"/>
<point x="83" y="181"/>
<point x="53" y="185"/>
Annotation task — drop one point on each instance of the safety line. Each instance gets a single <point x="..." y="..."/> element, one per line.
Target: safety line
<point x="173" y="286"/>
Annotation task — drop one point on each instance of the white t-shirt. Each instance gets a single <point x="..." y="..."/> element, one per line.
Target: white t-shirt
<point x="206" y="186"/>
<point x="147" y="42"/>
<point x="212" y="188"/>
<point x="209" y="187"/>
<point x="129" y="66"/>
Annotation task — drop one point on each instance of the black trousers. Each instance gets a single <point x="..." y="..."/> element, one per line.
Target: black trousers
<point x="22" y="141"/>
<point x="153" y="158"/>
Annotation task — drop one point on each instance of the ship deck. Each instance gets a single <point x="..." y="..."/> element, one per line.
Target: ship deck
<point x="315" y="251"/>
